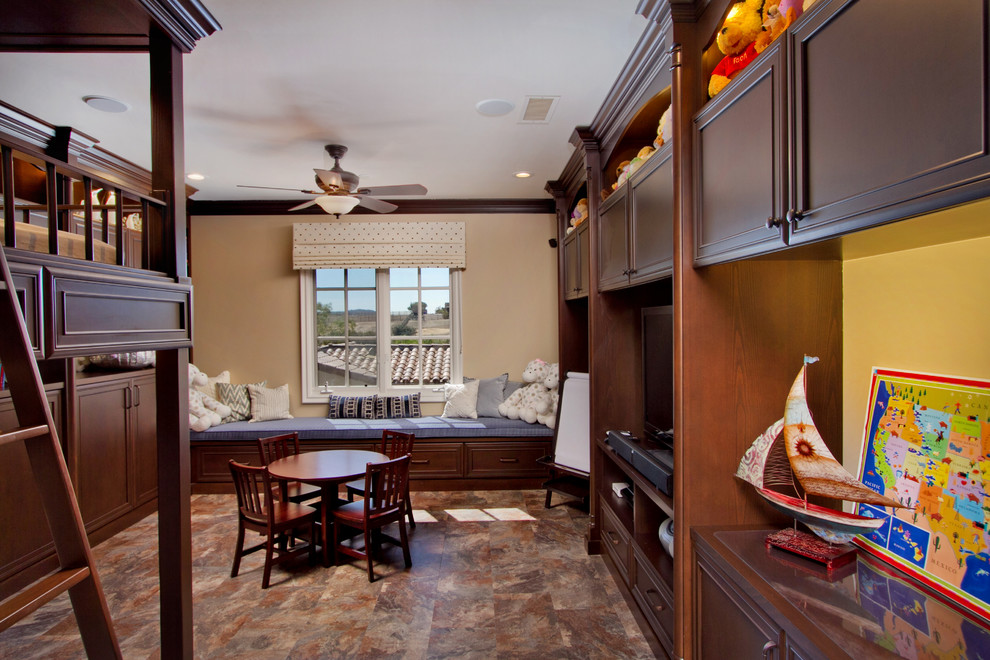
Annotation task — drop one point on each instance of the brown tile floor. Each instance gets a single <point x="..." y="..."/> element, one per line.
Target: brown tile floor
<point x="495" y="575"/>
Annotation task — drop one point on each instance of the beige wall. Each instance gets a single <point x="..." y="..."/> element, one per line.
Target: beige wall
<point x="919" y="309"/>
<point x="246" y="296"/>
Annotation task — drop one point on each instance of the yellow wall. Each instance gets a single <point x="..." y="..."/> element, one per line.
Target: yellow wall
<point x="246" y="297"/>
<point x="923" y="309"/>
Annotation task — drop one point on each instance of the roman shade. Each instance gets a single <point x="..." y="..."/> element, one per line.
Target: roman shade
<point x="378" y="245"/>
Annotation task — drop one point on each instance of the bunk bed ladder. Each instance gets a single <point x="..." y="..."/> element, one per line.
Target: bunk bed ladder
<point x="77" y="571"/>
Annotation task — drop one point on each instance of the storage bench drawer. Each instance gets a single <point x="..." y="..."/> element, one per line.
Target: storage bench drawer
<point x="615" y="538"/>
<point x="506" y="459"/>
<point x="436" y="460"/>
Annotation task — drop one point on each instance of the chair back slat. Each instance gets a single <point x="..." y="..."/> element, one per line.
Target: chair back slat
<point x="275" y="447"/>
<point x="254" y="491"/>
<point x="385" y="487"/>
<point x="397" y="443"/>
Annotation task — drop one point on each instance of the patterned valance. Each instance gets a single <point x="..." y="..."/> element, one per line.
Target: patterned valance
<point x="378" y="245"/>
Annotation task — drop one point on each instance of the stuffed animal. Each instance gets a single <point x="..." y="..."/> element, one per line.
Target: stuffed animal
<point x="548" y="414"/>
<point x="665" y="130"/>
<point x="580" y="213"/>
<point x="523" y="403"/>
<point x="204" y="410"/>
<point x="736" y="40"/>
<point x="777" y="17"/>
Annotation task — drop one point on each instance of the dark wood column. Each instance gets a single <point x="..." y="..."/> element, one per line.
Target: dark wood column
<point x="168" y="253"/>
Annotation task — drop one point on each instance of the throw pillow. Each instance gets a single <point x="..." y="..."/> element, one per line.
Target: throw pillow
<point x="352" y="407"/>
<point x="461" y="400"/>
<point x="490" y="394"/>
<point x="269" y="403"/>
<point x="390" y="407"/>
<point x="238" y="398"/>
<point x="211" y="384"/>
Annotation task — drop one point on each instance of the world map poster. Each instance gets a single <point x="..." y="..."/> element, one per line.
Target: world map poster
<point x="926" y="444"/>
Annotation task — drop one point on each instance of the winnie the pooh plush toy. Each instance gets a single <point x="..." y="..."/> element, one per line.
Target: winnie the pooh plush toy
<point x="664" y="130"/>
<point x="736" y="40"/>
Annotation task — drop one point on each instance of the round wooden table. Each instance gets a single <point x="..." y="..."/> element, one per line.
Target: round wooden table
<point x="326" y="469"/>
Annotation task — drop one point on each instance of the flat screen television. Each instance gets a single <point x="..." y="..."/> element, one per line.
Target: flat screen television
<point x="658" y="373"/>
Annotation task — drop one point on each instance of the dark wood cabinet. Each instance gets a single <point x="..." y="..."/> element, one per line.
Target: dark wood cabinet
<point x="115" y="448"/>
<point x="860" y="158"/>
<point x="636" y="227"/>
<point x="741" y="131"/>
<point x="811" y="159"/>
<point x="22" y="508"/>
<point x="754" y="601"/>
<point x="576" y="263"/>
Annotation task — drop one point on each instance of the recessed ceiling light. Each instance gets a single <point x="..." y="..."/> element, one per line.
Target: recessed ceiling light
<point x="495" y="107"/>
<point x="106" y="104"/>
<point x="195" y="176"/>
<point x="522" y="175"/>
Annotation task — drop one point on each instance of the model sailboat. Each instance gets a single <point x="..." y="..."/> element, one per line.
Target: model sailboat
<point x="792" y="447"/>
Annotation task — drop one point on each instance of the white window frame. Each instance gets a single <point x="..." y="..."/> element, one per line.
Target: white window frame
<point x="313" y="392"/>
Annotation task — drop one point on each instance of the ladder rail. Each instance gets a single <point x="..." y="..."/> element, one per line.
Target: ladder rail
<point x="54" y="487"/>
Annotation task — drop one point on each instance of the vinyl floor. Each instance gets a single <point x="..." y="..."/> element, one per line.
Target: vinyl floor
<point x="494" y="575"/>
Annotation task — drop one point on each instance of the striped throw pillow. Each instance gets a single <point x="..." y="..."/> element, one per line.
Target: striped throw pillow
<point x="389" y="407"/>
<point x="269" y="403"/>
<point x="352" y="407"/>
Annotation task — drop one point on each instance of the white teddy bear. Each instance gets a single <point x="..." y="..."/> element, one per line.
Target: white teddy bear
<point x="204" y="410"/>
<point x="548" y="415"/>
<point x="524" y="402"/>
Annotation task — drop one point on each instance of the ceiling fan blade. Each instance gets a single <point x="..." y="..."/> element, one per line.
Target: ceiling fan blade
<point x="375" y="204"/>
<point x="303" y="205"/>
<point x="329" y="178"/>
<point x="408" y="189"/>
<point x="308" y="192"/>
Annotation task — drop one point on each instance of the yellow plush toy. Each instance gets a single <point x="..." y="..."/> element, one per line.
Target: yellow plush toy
<point x="579" y="215"/>
<point x="736" y="40"/>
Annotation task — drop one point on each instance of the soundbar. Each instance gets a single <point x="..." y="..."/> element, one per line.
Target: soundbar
<point x="656" y="465"/>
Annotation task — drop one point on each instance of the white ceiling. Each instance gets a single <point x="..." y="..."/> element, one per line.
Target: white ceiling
<point x="396" y="81"/>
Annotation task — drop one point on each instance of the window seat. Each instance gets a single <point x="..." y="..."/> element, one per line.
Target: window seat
<point x="488" y="453"/>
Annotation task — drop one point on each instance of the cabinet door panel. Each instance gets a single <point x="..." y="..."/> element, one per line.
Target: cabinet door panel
<point x="739" y="165"/>
<point x="613" y="242"/>
<point x="653" y="221"/>
<point x="572" y="265"/>
<point x="584" y="271"/>
<point x="729" y="627"/>
<point x="145" y="433"/>
<point x="879" y="124"/>
<point x="101" y="457"/>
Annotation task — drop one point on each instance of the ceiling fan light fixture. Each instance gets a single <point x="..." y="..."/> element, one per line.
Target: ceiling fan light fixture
<point x="337" y="205"/>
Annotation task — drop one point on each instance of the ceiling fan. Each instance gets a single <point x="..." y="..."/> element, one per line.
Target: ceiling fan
<point x="339" y="192"/>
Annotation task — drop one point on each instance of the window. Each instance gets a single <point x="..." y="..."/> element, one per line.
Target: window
<point x="351" y="316"/>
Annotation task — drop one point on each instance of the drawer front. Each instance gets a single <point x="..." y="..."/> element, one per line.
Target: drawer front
<point x="210" y="464"/>
<point x="656" y="601"/>
<point x="616" y="541"/>
<point x="436" y="460"/>
<point x="509" y="459"/>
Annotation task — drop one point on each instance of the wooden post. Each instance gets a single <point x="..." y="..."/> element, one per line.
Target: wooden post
<point x="167" y="246"/>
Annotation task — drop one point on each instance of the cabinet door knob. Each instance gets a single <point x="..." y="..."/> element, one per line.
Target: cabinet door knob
<point x="136" y="397"/>
<point x="658" y="606"/>
<point x="611" y="537"/>
<point x="793" y="216"/>
<point x="773" y="223"/>
<point x="768" y="650"/>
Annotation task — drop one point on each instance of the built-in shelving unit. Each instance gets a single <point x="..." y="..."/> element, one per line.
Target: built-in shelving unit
<point x="752" y="202"/>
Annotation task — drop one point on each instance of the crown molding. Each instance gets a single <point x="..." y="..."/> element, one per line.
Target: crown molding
<point x="406" y="207"/>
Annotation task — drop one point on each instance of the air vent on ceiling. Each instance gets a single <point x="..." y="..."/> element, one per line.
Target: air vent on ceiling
<point x="538" y="109"/>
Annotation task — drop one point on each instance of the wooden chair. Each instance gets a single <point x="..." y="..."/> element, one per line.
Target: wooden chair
<point x="394" y="445"/>
<point x="278" y="521"/>
<point x="386" y="484"/>
<point x="279" y="446"/>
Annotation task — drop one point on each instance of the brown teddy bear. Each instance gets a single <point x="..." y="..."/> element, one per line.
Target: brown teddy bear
<point x="736" y="40"/>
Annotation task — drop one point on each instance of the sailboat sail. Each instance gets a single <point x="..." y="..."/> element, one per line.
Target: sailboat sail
<point x="812" y="462"/>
